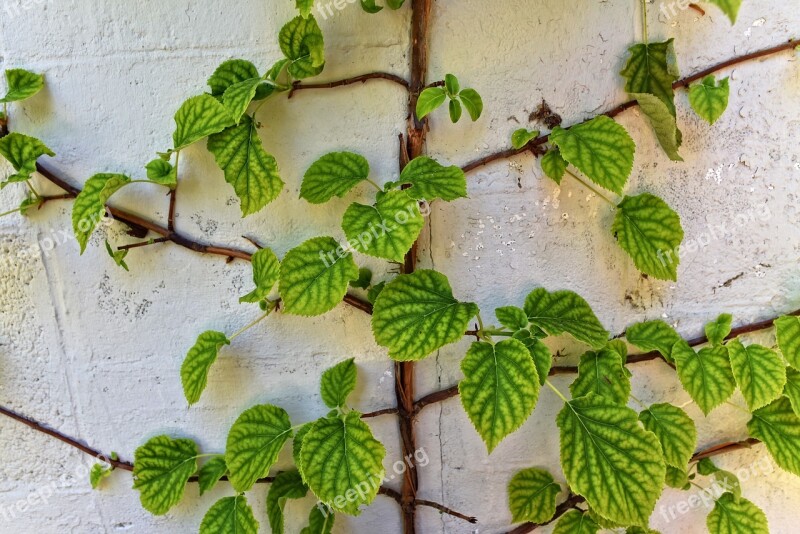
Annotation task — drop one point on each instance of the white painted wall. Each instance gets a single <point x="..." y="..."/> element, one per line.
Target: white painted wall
<point x="95" y="351"/>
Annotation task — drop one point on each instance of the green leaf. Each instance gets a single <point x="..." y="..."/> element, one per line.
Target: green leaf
<point x="451" y="85"/>
<point x="674" y="429"/>
<point x="375" y="291"/>
<point x="512" y="317"/>
<point x="211" y="472"/>
<point x="542" y="358"/>
<point x="653" y="68"/>
<point x="266" y="271"/>
<point x="320" y="520"/>
<point x="760" y="373"/>
<point x="709" y="99"/>
<point x="532" y="496"/>
<point x="431" y="180"/>
<point x="455" y="111"/>
<point x="472" y="102"/>
<point x="251" y="171"/>
<point x="337" y="383"/>
<point x="602" y="372"/>
<point x="230" y="73"/>
<point x="430" y="99"/>
<point x="370" y="6"/>
<point x="297" y="444"/>
<point x="576" y="522"/>
<point x="117" y="255"/>
<point x="22" y="151"/>
<point x="792" y="389"/>
<point x="663" y="122"/>
<point x="315" y="276"/>
<point x="788" y="331"/>
<point x="565" y="311"/>
<point x="198" y="361"/>
<point x="98" y="473"/>
<point x="554" y="166"/>
<point x="706" y="467"/>
<point x="610" y="460"/>
<point x="653" y="335"/>
<point x="736" y="516"/>
<point x="238" y="97"/>
<point x="778" y="426"/>
<point x="720" y="329"/>
<point x="230" y="515"/>
<point x="416" y="314"/>
<point x="199" y="117"/>
<point x="287" y="485"/>
<point x="729" y="481"/>
<point x="677" y="478"/>
<point x="649" y="231"/>
<point x="27" y="203"/>
<point x="334" y="174"/>
<point x="22" y="85"/>
<point x="729" y="7"/>
<point x="706" y="375"/>
<point x="90" y="204"/>
<point x="600" y="148"/>
<point x="522" y="137"/>
<point x="162" y="173"/>
<point x="162" y="467"/>
<point x="364" y="279"/>
<point x="304" y="7"/>
<point x="500" y="388"/>
<point x="395" y="4"/>
<point x="388" y="229"/>
<point x="301" y="41"/>
<point x="254" y="442"/>
<point x="343" y="462"/>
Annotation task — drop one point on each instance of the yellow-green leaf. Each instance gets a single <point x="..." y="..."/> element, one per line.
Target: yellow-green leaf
<point x="565" y="311"/>
<point x="90" y="204"/>
<point x="230" y="515"/>
<point x="706" y="375"/>
<point x="760" y="373"/>
<point x="254" y="442"/>
<point x="162" y="467"/>
<point x="198" y="361"/>
<point x="532" y="496"/>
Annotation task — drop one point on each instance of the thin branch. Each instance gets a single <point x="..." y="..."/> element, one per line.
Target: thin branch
<point x="446" y="510"/>
<point x="298" y="86"/>
<point x="685" y="82"/>
<point x="377" y="413"/>
<point x="173" y="194"/>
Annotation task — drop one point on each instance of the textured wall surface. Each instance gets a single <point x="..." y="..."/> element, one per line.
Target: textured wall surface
<point x="96" y="352"/>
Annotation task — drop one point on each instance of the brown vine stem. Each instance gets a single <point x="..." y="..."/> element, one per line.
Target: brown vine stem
<point x="445" y="394"/>
<point x="685" y="82"/>
<point x="298" y="86"/>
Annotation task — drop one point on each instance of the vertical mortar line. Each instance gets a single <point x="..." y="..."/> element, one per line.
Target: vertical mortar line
<point x="404" y="371"/>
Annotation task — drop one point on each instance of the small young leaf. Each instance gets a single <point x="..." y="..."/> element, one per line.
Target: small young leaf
<point x="199" y="117"/>
<point x="254" y="442"/>
<point x="663" y="122"/>
<point x="238" y="96"/>
<point x="287" y="485"/>
<point x="611" y="460"/>
<point x="375" y="291"/>
<point x="340" y="457"/>
<point x="198" y="361"/>
<point x="677" y="478"/>
<point x="90" y="204"/>
<point x="473" y="102"/>
<point x="162" y="467"/>
<point x="452" y="85"/>
<point x="600" y="148"/>
<point x="301" y="41"/>
<point x="565" y="311"/>
<point x="334" y="174"/>
<point x="542" y="358"/>
<point x="395" y="4"/>
<point x="717" y="331"/>
<point x="211" y="472"/>
<point x="736" y="516"/>
<point x="97" y="474"/>
<point x="653" y="335"/>
<point x="649" y="231"/>
<point x="370" y="6"/>
<point x="304" y="7"/>
<point x="315" y="276"/>
<point x="22" y="85"/>
<point x="729" y="7"/>
<point x="532" y="496"/>
<point x="710" y="100"/>
<point x="266" y="271"/>
<point x="706" y="467"/>
<point x="230" y="515"/>
<point x="512" y="317"/>
<point x="320" y="520"/>
<point x="760" y="373"/>
<point x="230" y="73"/>
<point x="337" y="383"/>
<point x="788" y="331"/>
<point x="162" y="173"/>
<point x="500" y="388"/>
<point x="576" y="522"/>
<point x="706" y="375"/>
<point x="603" y="373"/>
<point x="416" y="314"/>
<point x="778" y="426"/>
<point x="455" y="111"/>
<point x="554" y="166"/>
<point x="22" y="151"/>
<point x="792" y="389"/>
<point x="364" y="279"/>
<point x="431" y="180"/>
<point x="653" y="68"/>
<point x="117" y="255"/>
<point x="522" y="137"/>
<point x="251" y="171"/>
<point x="674" y="429"/>
<point x="430" y="99"/>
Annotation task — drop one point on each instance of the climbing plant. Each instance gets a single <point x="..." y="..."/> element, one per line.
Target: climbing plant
<point x="615" y="459"/>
